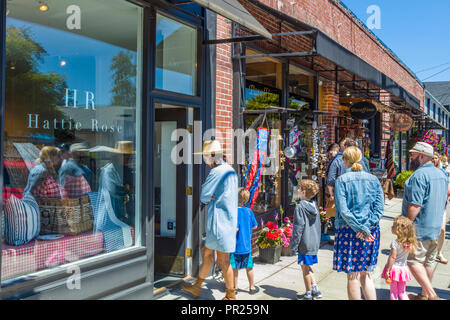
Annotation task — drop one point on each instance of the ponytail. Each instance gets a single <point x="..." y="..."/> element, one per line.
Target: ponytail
<point x="357" y="167"/>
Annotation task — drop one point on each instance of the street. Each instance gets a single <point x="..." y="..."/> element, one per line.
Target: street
<point x="283" y="280"/>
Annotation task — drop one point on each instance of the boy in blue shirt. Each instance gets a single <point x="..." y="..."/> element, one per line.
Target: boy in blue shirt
<point x="242" y="257"/>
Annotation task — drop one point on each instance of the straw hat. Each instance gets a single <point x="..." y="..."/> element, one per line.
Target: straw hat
<point x="211" y="146"/>
<point x="124" y="147"/>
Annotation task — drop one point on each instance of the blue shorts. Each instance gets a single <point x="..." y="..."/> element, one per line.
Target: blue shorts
<point x="241" y="261"/>
<point x="307" y="260"/>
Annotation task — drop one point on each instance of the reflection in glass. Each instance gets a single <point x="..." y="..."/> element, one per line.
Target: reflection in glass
<point x="70" y="133"/>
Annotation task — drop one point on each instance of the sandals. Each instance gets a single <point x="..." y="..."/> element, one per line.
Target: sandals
<point x="441" y="259"/>
<point x="254" y="291"/>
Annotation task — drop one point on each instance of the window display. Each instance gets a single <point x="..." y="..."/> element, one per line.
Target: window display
<point x="72" y="132"/>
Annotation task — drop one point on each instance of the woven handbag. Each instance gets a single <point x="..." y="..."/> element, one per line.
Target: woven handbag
<point x="65" y="216"/>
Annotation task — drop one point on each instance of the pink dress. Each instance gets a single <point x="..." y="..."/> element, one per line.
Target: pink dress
<point x="399" y="271"/>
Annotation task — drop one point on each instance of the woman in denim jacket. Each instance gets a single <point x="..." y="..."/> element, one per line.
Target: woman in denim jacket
<point x="359" y="206"/>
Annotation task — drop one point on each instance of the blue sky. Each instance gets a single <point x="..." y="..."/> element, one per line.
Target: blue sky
<point x="418" y="32"/>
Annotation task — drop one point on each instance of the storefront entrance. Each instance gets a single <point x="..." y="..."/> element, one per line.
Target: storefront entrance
<point x="172" y="206"/>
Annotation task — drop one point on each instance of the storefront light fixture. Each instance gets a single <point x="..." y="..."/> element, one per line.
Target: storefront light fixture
<point x="348" y="94"/>
<point x="43" y="6"/>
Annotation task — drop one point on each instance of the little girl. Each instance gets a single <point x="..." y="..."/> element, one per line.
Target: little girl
<point x="396" y="269"/>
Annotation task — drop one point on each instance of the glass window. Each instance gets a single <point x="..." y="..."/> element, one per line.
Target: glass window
<point x="176" y="56"/>
<point x="301" y="86"/>
<point x="263" y="89"/>
<point x="72" y="132"/>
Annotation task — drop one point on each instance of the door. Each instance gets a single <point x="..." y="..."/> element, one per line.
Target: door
<point x="170" y="194"/>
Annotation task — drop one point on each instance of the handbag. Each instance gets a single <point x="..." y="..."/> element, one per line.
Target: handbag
<point x="65" y="216"/>
<point x="331" y="209"/>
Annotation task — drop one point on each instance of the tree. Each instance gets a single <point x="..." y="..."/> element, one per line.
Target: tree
<point x="124" y="89"/>
<point x="27" y="90"/>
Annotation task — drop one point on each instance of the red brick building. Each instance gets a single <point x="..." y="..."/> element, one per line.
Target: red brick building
<point x="320" y="53"/>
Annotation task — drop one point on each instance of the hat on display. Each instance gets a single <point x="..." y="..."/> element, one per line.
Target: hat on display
<point x="80" y="147"/>
<point x="122" y="147"/>
<point x="211" y="146"/>
<point x="423" y="148"/>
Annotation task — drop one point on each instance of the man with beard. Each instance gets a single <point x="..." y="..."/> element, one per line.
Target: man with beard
<point x="424" y="203"/>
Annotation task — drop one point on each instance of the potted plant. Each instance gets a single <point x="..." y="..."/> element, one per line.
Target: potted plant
<point x="286" y="236"/>
<point x="400" y="182"/>
<point x="325" y="221"/>
<point x="270" y="243"/>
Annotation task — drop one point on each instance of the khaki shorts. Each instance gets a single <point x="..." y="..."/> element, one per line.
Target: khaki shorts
<point x="425" y="253"/>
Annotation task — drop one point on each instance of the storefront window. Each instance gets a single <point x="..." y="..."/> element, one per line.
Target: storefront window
<point x="72" y="132"/>
<point x="301" y="133"/>
<point x="176" y="56"/>
<point x="263" y="87"/>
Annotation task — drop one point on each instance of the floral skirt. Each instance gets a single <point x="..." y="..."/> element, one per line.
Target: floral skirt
<point x="350" y="254"/>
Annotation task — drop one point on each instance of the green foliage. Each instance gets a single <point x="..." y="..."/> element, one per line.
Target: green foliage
<point x="402" y="177"/>
<point x="28" y="90"/>
<point x="124" y="89"/>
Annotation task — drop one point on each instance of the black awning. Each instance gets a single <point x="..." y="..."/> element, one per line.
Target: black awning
<point x="233" y="10"/>
<point x="331" y="50"/>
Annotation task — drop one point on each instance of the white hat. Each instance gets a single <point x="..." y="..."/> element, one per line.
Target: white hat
<point x="423" y="148"/>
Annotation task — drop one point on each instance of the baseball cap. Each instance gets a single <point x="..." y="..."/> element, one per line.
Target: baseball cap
<point x="423" y="148"/>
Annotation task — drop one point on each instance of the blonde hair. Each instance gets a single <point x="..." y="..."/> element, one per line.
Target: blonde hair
<point x="243" y="196"/>
<point x="310" y="187"/>
<point x="353" y="155"/>
<point x="46" y="155"/>
<point x="406" y="233"/>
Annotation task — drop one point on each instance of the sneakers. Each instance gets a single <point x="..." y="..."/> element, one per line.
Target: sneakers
<point x="312" y="295"/>
<point x="307" y="296"/>
<point x="316" y="293"/>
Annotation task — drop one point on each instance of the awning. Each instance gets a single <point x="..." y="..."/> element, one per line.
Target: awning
<point x="234" y="11"/>
<point x="331" y="50"/>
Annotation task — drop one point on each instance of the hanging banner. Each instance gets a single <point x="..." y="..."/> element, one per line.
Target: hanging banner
<point x="363" y="110"/>
<point x="401" y="122"/>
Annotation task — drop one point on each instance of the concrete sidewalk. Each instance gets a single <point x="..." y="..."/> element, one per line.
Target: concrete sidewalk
<point x="284" y="281"/>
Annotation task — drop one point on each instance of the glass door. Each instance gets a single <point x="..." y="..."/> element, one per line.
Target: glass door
<point x="170" y="192"/>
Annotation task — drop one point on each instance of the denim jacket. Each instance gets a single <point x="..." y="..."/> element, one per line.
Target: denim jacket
<point x="359" y="201"/>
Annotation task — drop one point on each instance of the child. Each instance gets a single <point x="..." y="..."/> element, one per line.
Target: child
<point x="306" y="235"/>
<point x="242" y="257"/>
<point x="396" y="269"/>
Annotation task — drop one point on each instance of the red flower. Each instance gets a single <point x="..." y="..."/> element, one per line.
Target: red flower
<point x="270" y="225"/>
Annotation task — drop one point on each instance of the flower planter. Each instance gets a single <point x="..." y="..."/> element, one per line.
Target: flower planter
<point x="286" y="252"/>
<point x="400" y="193"/>
<point x="270" y="254"/>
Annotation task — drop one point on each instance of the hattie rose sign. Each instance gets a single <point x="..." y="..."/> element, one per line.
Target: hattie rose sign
<point x="401" y="122"/>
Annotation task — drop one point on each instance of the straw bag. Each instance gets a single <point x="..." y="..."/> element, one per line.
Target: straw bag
<point x="65" y="216"/>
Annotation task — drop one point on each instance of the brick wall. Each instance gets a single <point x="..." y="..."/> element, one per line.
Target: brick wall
<point x="224" y="87"/>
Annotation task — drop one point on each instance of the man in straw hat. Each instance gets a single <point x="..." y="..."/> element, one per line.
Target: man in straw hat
<point x="424" y="203"/>
<point x="220" y="192"/>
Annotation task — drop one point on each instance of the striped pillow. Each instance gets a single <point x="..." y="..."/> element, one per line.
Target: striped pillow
<point x="22" y="219"/>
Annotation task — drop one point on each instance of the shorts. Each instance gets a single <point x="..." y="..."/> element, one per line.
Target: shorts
<point x="425" y="253"/>
<point x="307" y="260"/>
<point x="241" y="261"/>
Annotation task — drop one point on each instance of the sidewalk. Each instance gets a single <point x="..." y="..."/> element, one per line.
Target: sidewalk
<point x="283" y="280"/>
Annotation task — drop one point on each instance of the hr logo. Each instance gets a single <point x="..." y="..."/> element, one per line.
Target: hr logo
<point x="374" y="21"/>
<point x="74" y="280"/>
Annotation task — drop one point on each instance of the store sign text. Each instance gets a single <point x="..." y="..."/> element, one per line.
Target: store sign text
<point x="71" y="101"/>
<point x="363" y="110"/>
<point x="401" y="122"/>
